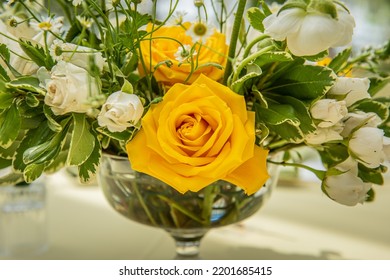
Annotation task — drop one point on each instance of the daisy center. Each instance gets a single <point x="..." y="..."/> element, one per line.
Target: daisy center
<point x="200" y="29"/>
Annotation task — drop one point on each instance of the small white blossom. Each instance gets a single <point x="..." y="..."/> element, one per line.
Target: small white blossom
<point x="310" y="32"/>
<point x="346" y="188"/>
<point x="183" y="54"/>
<point x="53" y="24"/>
<point x="329" y="111"/>
<point x="367" y="146"/>
<point x="85" y="22"/>
<point x="76" y="2"/>
<point x="121" y="110"/>
<point x="69" y="88"/>
<point x="354" y="89"/>
<point x="200" y="31"/>
<point x="178" y="18"/>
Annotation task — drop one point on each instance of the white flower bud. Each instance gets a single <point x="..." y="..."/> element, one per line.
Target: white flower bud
<point x="121" y="110"/>
<point x="330" y="111"/>
<point x="366" y="145"/>
<point x="354" y="89"/>
<point x="346" y="188"/>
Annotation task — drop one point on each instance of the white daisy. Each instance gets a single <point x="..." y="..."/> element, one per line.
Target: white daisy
<point x="183" y="53"/>
<point x="85" y="22"/>
<point x="178" y="18"/>
<point x="200" y="31"/>
<point x="53" y="24"/>
<point x="76" y="2"/>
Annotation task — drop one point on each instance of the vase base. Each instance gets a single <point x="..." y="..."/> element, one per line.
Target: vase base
<point x="187" y="242"/>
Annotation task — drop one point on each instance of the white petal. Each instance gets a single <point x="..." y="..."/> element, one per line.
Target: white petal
<point x="316" y="34"/>
<point x="288" y="21"/>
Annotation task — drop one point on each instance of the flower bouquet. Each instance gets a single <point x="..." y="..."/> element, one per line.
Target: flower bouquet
<point x="192" y="100"/>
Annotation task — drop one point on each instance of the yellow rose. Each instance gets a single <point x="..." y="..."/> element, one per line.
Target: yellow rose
<point x="164" y="47"/>
<point x="198" y="134"/>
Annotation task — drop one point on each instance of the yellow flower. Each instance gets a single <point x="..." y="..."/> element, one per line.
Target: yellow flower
<point x="347" y="72"/>
<point x="164" y="45"/>
<point x="198" y="134"/>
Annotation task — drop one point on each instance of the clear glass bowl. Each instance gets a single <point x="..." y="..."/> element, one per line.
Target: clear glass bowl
<point x="187" y="217"/>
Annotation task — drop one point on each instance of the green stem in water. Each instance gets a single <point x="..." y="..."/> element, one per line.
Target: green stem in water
<point x="180" y="208"/>
<point x="234" y="39"/>
<point x="143" y="204"/>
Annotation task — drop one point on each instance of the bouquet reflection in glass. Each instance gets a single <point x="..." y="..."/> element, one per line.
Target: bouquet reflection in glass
<point x="187" y="218"/>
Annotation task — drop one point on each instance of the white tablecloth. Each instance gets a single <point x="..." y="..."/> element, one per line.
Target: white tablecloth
<point x="298" y="222"/>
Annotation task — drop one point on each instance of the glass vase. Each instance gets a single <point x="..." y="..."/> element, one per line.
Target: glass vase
<point x="186" y="217"/>
<point x="23" y="220"/>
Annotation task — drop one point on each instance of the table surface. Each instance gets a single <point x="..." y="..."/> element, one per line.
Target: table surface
<point x="298" y="222"/>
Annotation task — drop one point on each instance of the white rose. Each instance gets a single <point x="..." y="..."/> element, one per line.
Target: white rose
<point x="324" y="135"/>
<point x="346" y="188"/>
<point x="120" y="111"/>
<point x="310" y="32"/>
<point x="69" y="89"/>
<point x="330" y="111"/>
<point x="78" y="55"/>
<point x="367" y="146"/>
<point x="355" y="89"/>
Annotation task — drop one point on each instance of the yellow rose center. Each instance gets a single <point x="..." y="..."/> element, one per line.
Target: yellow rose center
<point x="193" y="131"/>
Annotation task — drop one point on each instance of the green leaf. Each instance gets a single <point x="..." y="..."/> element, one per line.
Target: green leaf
<point x="26" y="83"/>
<point x="4" y="52"/>
<point x="127" y="87"/>
<point x="34" y="50"/>
<point x="3" y="74"/>
<point x="57" y="163"/>
<point x="370" y="175"/>
<point x="120" y="136"/>
<point x="293" y="5"/>
<point x="51" y="122"/>
<point x="301" y="112"/>
<point x="271" y="57"/>
<point x="32" y="138"/>
<point x="338" y="63"/>
<point x="305" y="82"/>
<point x="370" y="195"/>
<point x="10" y="122"/>
<point x="256" y="17"/>
<point x="377" y="84"/>
<point x="82" y="141"/>
<point x="382" y="110"/>
<point x="252" y="71"/>
<point x="32" y="100"/>
<point x="33" y="172"/>
<point x="317" y="57"/>
<point x="11" y="179"/>
<point x="88" y="169"/>
<point x="9" y="153"/>
<point x="5" y="163"/>
<point x="6" y="100"/>
<point x="280" y="119"/>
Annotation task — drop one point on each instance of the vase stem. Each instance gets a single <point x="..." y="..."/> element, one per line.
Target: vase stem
<point x="187" y="242"/>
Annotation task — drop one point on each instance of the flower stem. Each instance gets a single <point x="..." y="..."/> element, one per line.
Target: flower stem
<point x="143" y="204"/>
<point x="234" y="39"/>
